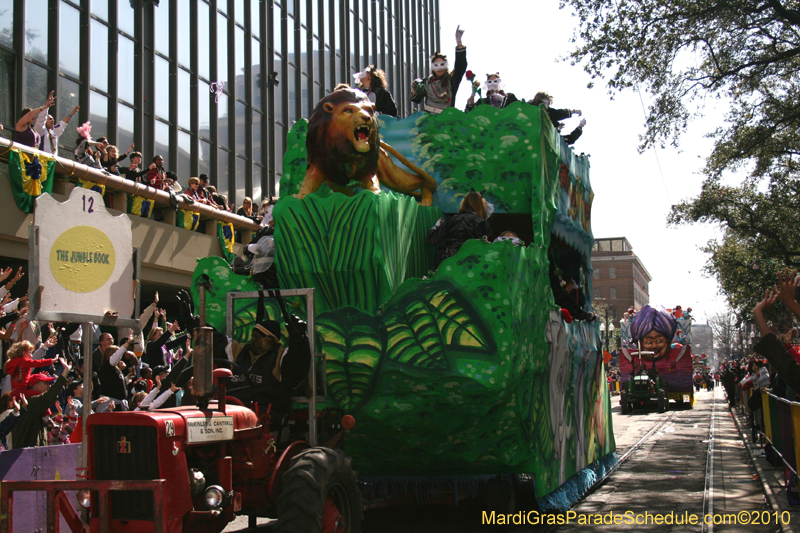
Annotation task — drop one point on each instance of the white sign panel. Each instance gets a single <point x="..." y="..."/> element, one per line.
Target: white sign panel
<point x="209" y="429"/>
<point x="85" y="256"/>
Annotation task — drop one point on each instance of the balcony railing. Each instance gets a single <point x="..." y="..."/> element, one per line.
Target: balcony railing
<point x="118" y="184"/>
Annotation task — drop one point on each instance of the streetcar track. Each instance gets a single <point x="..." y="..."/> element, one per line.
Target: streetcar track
<point x="708" y="491"/>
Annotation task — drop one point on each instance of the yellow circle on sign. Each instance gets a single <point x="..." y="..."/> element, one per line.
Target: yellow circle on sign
<point x="82" y="259"/>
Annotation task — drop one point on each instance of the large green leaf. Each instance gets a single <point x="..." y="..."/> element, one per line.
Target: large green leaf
<point x="421" y="328"/>
<point x="350" y="340"/>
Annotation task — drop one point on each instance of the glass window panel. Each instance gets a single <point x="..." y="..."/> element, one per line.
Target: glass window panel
<point x="184" y="104"/>
<point x="303" y="12"/>
<point x="293" y="96"/>
<point x="125" y="69"/>
<point x="204" y="98"/>
<point x="241" y="177"/>
<point x="98" y="67"/>
<point x="279" y="149"/>
<point x="35" y="85"/>
<point x="238" y="12"/>
<point x="203" y="30"/>
<point x="290" y="36"/>
<point x="125" y="16"/>
<point x="257" y="136"/>
<point x="222" y="48"/>
<point x="277" y="26"/>
<point x="258" y="79"/>
<point x="184" y="157"/>
<point x="222" y="121"/>
<point x="7" y="24"/>
<point x="239" y="61"/>
<point x="304" y="50"/>
<point x="162" y="143"/>
<point x="353" y="34"/>
<point x="315" y="16"/>
<point x="204" y="158"/>
<point x="278" y="94"/>
<point x="184" y="42"/>
<point x="337" y="32"/>
<point x="317" y="93"/>
<point x="162" y="89"/>
<point x="241" y="128"/>
<point x="222" y="172"/>
<point x="68" y="97"/>
<point x="161" y="14"/>
<point x="36" y="15"/>
<point x="98" y="114"/>
<point x="316" y="57"/>
<point x="255" y="17"/>
<point x="305" y="101"/>
<point x="100" y="9"/>
<point x="258" y="176"/>
<point x="124" y="128"/>
<point x="222" y="6"/>
<point x="289" y="7"/>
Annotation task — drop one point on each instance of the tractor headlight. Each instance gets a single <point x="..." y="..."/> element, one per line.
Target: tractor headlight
<point x="214" y="496"/>
<point x="84" y="497"/>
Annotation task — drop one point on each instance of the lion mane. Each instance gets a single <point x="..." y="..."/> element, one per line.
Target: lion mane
<point x="330" y="149"/>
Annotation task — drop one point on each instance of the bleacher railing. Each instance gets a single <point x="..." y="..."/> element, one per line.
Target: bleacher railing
<point x="68" y="167"/>
<point x="778" y="421"/>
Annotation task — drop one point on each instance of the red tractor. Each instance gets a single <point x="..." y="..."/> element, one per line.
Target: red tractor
<point x="195" y="468"/>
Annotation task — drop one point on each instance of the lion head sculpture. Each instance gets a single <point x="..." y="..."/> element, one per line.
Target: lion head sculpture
<point x="342" y="140"/>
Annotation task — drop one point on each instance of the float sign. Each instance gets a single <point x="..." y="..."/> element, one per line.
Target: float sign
<point x="85" y="256"/>
<point x="209" y="429"/>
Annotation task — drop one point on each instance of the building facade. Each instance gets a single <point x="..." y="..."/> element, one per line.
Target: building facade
<point x="619" y="278"/>
<point x="211" y="85"/>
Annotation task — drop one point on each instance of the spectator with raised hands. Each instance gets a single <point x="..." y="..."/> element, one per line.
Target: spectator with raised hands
<point x="49" y="131"/>
<point x="25" y="131"/>
<point x="22" y="360"/>
<point x="112" y="380"/>
<point x="30" y="430"/>
<point x="770" y="345"/>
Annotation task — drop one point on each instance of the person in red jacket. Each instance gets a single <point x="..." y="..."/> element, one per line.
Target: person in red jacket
<point x="21" y="362"/>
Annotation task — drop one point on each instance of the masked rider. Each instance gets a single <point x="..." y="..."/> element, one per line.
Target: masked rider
<point x="274" y="371"/>
<point x="438" y="91"/>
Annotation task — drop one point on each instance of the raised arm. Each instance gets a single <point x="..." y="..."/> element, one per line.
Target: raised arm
<point x="787" y="285"/>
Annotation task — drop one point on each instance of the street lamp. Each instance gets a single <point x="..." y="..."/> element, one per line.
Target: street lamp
<point x="607" y="328"/>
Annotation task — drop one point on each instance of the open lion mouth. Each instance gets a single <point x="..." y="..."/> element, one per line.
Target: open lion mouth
<point x="361" y="133"/>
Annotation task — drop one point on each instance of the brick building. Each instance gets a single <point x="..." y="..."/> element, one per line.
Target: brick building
<point x="619" y="279"/>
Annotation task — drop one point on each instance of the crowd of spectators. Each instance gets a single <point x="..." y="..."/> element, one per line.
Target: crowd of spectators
<point x="36" y="128"/>
<point x="41" y="401"/>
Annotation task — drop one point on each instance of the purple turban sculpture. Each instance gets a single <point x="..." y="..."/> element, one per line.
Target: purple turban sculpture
<point x="653" y="328"/>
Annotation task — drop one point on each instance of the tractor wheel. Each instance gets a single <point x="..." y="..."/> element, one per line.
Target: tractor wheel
<point x="663" y="401"/>
<point x="320" y="494"/>
<point x="623" y="403"/>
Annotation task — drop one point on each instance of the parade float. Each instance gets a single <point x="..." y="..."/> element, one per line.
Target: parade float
<point x="656" y="363"/>
<point x="455" y="376"/>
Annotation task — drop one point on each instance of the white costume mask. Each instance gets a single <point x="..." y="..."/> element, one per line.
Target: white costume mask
<point x="494" y="85"/>
<point x="440" y="65"/>
<point x="358" y="76"/>
<point x="267" y="215"/>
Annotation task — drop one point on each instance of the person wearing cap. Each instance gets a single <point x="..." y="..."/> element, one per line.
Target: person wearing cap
<point x="273" y="371"/>
<point x="30" y="430"/>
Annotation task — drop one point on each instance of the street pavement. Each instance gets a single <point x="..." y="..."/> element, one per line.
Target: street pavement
<point x="665" y="474"/>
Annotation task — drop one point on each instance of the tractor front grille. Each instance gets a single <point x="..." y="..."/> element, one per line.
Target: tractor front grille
<point x="127" y="453"/>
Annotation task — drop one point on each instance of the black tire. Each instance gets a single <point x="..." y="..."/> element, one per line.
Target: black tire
<point x="314" y="476"/>
<point x="623" y="403"/>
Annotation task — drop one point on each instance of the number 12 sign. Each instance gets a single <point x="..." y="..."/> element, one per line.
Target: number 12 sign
<point x="85" y="256"/>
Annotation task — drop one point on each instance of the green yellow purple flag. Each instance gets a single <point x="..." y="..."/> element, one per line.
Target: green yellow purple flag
<point x="31" y="175"/>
